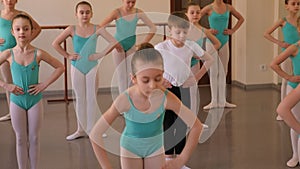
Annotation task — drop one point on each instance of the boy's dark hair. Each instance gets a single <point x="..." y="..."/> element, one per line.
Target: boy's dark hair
<point x="23" y="16"/>
<point x="191" y="4"/>
<point x="83" y="3"/>
<point x="147" y="54"/>
<point x="179" y="20"/>
<point x="286" y="1"/>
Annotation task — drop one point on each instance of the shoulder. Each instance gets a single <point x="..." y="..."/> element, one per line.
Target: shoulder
<point x="207" y="8"/>
<point x="6" y="53"/>
<point x="161" y="45"/>
<point x="121" y="103"/>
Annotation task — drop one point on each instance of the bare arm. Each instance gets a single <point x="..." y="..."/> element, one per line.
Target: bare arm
<point x="68" y="32"/>
<point x="36" y="30"/>
<point x="208" y="61"/>
<point x="109" y="38"/>
<point x="240" y="19"/>
<point x="100" y="127"/>
<point x="275" y="64"/>
<point x="285" y="107"/>
<point x="268" y="34"/>
<point x="173" y="103"/>
<point x="150" y="24"/>
<point x="213" y="39"/>
<point x="111" y="17"/>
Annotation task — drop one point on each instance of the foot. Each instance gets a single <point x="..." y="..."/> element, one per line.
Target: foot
<point x="5" y="118"/>
<point x="76" y="135"/>
<point x="278" y="118"/>
<point x="229" y="105"/>
<point x="210" y="106"/>
<point x="205" y="126"/>
<point x="293" y="162"/>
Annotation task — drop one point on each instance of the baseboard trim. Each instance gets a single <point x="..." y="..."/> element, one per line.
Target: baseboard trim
<point x="256" y="86"/>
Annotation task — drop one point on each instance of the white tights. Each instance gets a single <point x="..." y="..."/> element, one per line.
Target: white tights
<point x="86" y="106"/>
<point x="27" y="125"/>
<point x="217" y="74"/>
<point x="294" y="135"/>
<point x="123" y="67"/>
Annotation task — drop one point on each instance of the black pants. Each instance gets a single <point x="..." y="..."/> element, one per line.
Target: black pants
<point x="174" y="127"/>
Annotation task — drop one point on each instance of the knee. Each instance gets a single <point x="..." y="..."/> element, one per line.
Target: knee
<point x="34" y="140"/>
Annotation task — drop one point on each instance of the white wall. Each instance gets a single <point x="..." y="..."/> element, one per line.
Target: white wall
<point x="58" y="12"/>
<point x="250" y="48"/>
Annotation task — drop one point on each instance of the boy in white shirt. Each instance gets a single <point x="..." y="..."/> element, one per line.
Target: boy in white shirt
<point x="177" y="53"/>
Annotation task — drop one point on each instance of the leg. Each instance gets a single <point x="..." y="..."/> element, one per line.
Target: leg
<point x="156" y="160"/>
<point x="6" y="75"/>
<point x="121" y="67"/>
<point x="78" y="84"/>
<point x="130" y="160"/>
<point x="213" y="78"/>
<point x="19" y="124"/>
<point x="35" y="118"/>
<point x="224" y="58"/>
<point x="287" y="67"/>
<point x="294" y="135"/>
<point x="93" y="112"/>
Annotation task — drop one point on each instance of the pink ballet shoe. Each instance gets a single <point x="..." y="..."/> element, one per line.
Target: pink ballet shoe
<point x="5" y="118"/>
<point x="293" y="162"/>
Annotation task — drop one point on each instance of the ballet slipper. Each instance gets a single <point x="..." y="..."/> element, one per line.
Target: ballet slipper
<point x="5" y="118"/>
<point x="76" y="135"/>
<point x="293" y="162"/>
<point x="210" y="106"/>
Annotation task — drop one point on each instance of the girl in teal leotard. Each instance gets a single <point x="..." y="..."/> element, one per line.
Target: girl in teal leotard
<point x="288" y="25"/>
<point x="26" y="106"/>
<point x="289" y="108"/>
<point x="144" y="106"/>
<point x="84" y="74"/>
<point x="218" y="14"/>
<point x="7" y="40"/>
<point x="210" y="44"/>
<point x="126" y="18"/>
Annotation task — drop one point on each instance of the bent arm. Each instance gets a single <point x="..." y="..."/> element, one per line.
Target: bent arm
<point x="268" y="33"/>
<point x="238" y="16"/>
<point x="150" y="24"/>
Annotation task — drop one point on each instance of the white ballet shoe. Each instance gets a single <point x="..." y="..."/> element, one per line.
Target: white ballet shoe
<point x="293" y="162"/>
<point x="76" y="135"/>
<point x="210" y="106"/>
<point x="227" y="105"/>
<point x="5" y="118"/>
<point x="278" y="118"/>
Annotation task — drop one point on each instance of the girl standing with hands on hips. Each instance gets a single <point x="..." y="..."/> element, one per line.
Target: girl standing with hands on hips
<point x="218" y="14"/>
<point x="84" y="74"/>
<point x="126" y="17"/>
<point x="290" y="33"/>
<point x="144" y="105"/>
<point x="7" y="40"/>
<point x="26" y="107"/>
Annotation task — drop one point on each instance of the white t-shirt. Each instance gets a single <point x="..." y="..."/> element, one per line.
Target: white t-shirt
<point x="177" y="61"/>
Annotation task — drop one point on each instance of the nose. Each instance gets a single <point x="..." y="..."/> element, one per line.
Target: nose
<point x="152" y="85"/>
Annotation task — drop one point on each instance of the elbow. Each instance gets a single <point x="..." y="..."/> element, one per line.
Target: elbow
<point x="282" y="110"/>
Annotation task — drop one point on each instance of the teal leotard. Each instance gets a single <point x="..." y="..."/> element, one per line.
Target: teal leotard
<point x="290" y="33"/>
<point x="220" y="23"/>
<point x="84" y="47"/>
<point x="5" y="33"/>
<point x="126" y="30"/>
<point x="143" y="134"/>
<point x="24" y="76"/>
<point x="201" y="42"/>
<point x="296" y="67"/>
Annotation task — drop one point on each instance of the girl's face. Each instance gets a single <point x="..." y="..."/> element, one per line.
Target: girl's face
<point x="293" y="6"/>
<point x="193" y="13"/>
<point x="129" y="4"/>
<point x="21" y="29"/>
<point x="9" y="3"/>
<point x="84" y="13"/>
<point x="148" y="79"/>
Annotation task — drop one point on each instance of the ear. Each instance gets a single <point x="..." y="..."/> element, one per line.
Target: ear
<point x="133" y="78"/>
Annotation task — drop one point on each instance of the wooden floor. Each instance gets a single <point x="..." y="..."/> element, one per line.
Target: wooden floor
<point x="247" y="137"/>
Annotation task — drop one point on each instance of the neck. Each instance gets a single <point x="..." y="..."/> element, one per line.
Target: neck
<point x="23" y="46"/>
<point x="218" y="2"/>
<point x="292" y="15"/>
<point x="9" y="10"/>
<point x="82" y="24"/>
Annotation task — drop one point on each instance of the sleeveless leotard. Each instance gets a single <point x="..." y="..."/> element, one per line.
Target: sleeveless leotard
<point x="296" y="67"/>
<point x="143" y="134"/>
<point x="126" y="31"/>
<point x="290" y="33"/>
<point x="220" y="22"/>
<point x="84" y="47"/>
<point x="5" y="33"/>
<point x="24" y="76"/>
